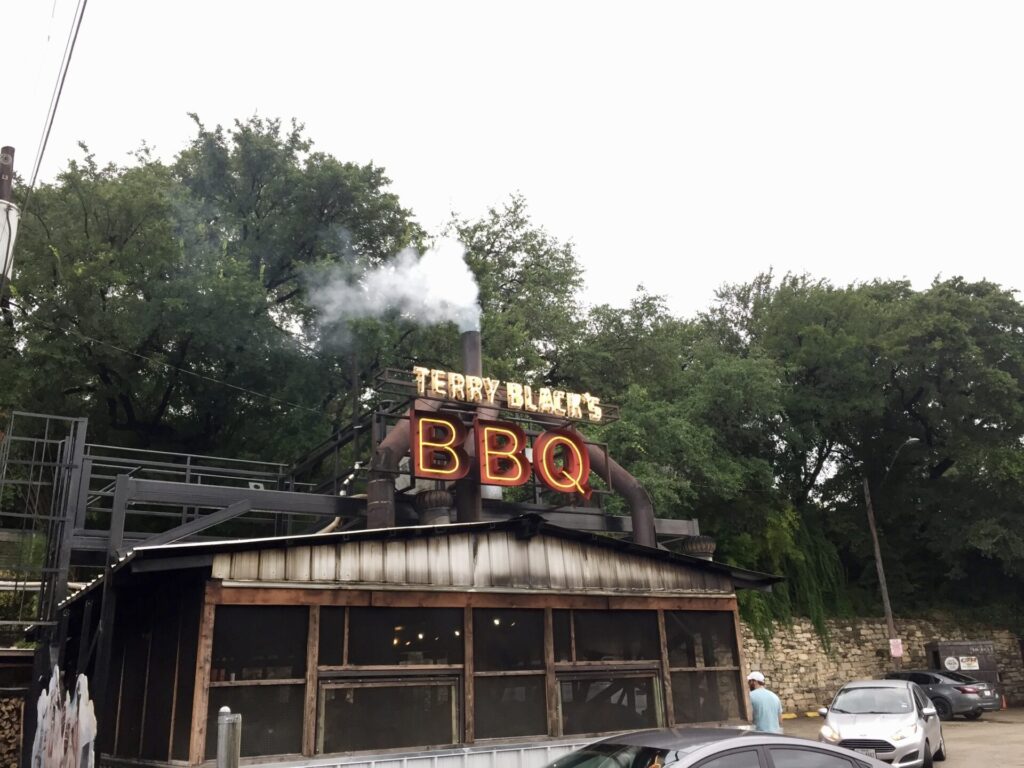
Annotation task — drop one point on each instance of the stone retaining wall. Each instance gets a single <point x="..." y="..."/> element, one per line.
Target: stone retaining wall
<point x="806" y="677"/>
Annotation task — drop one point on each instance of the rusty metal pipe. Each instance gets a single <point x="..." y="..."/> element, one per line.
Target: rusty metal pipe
<point x="380" y="490"/>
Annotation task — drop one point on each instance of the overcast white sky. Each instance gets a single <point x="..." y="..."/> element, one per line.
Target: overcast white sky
<point x="681" y="145"/>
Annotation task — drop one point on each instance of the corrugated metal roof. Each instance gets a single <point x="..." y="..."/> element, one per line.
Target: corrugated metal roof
<point x="522" y="527"/>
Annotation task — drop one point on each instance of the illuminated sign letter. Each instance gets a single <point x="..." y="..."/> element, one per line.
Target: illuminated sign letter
<point x="436" y="443"/>
<point x="514" y="395"/>
<point x="561" y="461"/>
<point x="501" y="449"/>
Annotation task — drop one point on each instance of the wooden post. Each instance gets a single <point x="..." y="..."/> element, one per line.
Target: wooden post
<point x="201" y="693"/>
<point x="745" y="708"/>
<point x="666" y="676"/>
<point x="550" y="681"/>
<point x="312" y="661"/>
<point x="467" y="668"/>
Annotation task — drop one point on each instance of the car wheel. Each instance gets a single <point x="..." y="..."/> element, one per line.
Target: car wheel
<point x="973" y="715"/>
<point x="927" y="756"/>
<point x="943" y="708"/>
<point x="941" y="753"/>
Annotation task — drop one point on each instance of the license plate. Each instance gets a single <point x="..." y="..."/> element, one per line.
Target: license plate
<point x="987" y="693"/>
<point x="867" y="752"/>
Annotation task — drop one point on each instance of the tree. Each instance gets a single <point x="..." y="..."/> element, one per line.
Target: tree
<point x="163" y="298"/>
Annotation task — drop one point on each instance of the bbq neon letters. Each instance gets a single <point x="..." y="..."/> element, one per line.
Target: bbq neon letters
<point x="560" y="457"/>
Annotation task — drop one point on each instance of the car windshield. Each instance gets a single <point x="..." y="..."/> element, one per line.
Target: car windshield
<point x="872" y="701"/>
<point x="960" y="678"/>
<point x="606" y="755"/>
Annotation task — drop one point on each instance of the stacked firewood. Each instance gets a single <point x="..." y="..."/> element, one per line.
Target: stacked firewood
<point x="10" y="731"/>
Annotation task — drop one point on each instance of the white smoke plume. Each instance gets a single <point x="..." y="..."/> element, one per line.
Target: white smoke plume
<point x="429" y="289"/>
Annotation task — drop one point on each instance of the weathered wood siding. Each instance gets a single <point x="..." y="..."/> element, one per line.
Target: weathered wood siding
<point x="495" y="561"/>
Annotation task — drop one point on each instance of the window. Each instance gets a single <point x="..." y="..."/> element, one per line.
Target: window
<point x="508" y="639"/>
<point x="703" y="661"/>
<point x="513" y="705"/>
<point x="596" y="703"/>
<point x="387" y="714"/>
<point x="254" y="645"/>
<point x="615" y="635"/>
<point x="920" y="678"/>
<point x="509" y="685"/>
<point x="785" y="757"/>
<point x="259" y="643"/>
<point x="744" y="758"/>
<point x="705" y="697"/>
<point x="271" y="718"/>
<point x="404" y="636"/>
<point x="701" y="639"/>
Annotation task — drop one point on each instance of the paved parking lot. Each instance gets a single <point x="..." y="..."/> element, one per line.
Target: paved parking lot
<point x="996" y="740"/>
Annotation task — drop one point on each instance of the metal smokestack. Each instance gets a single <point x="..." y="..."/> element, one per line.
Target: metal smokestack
<point x="467" y="491"/>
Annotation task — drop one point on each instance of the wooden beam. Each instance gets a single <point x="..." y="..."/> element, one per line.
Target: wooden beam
<point x="309" y="711"/>
<point x="469" y="714"/>
<point x="393" y="598"/>
<point x="201" y="693"/>
<point x="744" y="700"/>
<point x="666" y="675"/>
<point x="550" y="681"/>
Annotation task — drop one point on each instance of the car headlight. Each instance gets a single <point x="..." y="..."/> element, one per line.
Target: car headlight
<point x="905" y="733"/>
<point x="829" y="734"/>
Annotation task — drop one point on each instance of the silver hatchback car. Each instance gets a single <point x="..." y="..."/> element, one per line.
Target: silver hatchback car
<point x="891" y="720"/>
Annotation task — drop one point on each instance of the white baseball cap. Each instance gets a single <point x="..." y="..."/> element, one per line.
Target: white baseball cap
<point x="757" y="677"/>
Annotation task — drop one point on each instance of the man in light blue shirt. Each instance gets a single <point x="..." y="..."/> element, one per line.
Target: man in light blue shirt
<point x="765" y="704"/>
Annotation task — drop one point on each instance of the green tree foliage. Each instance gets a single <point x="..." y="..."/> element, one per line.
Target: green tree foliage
<point x="130" y="276"/>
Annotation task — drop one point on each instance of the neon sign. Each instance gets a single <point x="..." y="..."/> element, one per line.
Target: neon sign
<point x="560" y="458"/>
<point x="448" y="385"/>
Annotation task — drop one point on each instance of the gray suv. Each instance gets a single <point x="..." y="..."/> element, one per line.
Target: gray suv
<point x="953" y="693"/>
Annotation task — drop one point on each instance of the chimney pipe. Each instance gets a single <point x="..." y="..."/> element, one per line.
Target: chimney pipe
<point x="468" y="506"/>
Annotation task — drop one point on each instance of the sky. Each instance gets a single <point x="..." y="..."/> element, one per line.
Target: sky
<point x="678" y="145"/>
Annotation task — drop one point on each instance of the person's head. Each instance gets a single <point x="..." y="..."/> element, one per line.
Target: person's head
<point x="755" y="680"/>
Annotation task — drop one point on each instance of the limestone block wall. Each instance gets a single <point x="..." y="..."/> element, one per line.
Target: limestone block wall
<point x="805" y="676"/>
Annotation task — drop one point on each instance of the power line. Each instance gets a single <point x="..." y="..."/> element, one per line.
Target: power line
<point x="58" y="90"/>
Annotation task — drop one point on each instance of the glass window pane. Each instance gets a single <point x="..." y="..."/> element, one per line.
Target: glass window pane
<point x="562" y="637"/>
<point x="332" y="637"/>
<point x="705" y="697"/>
<point x="807" y="758"/>
<point x="746" y="758"/>
<point x="616" y="635"/>
<point x="259" y="642"/>
<point x="701" y="639"/>
<point x="504" y="640"/>
<point x="510" y="706"/>
<point x="271" y="718"/>
<point x="600" y="704"/>
<point x="386" y="716"/>
<point x="393" y="636"/>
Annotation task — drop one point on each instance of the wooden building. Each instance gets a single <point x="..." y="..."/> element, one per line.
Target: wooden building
<point x="409" y="638"/>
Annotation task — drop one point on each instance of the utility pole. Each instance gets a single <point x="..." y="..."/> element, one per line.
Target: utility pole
<point x="886" y="606"/>
<point x="9" y="215"/>
<point x="6" y="173"/>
